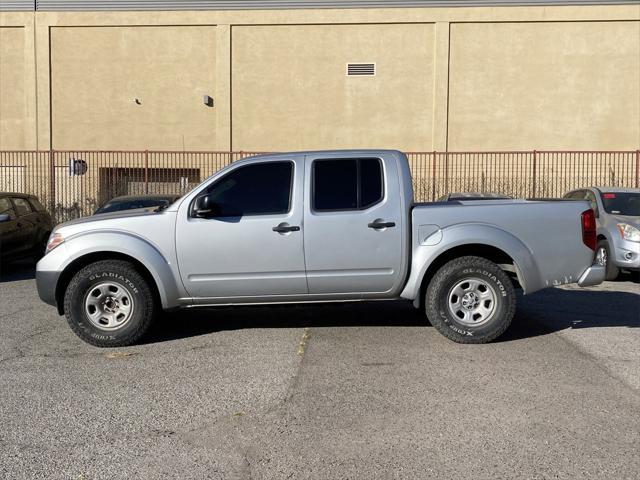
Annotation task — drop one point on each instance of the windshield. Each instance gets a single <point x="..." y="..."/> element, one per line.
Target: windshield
<point x="622" y="203"/>
<point x="120" y="205"/>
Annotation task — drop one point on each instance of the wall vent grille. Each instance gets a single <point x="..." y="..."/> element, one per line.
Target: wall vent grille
<point x="361" y="69"/>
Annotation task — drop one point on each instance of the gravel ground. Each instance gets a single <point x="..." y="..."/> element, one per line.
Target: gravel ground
<point x="334" y="391"/>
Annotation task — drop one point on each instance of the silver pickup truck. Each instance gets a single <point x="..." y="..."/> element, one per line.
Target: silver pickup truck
<point x="307" y="227"/>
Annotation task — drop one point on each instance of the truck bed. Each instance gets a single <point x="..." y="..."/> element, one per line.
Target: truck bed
<point x="518" y="222"/>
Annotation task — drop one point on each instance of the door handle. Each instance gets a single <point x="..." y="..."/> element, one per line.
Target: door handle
<point x="286" y="228"/>
<point x="381" y="224"/>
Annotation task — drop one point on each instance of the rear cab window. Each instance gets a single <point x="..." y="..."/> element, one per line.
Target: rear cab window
<point x="346" y="184"/>
<point x="621" y="203"/>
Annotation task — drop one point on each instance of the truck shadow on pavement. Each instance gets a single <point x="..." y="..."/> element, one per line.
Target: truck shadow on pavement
<point x="555" y="309"/>
<point x="18" y="270"/>
<point x="540" y="314"/>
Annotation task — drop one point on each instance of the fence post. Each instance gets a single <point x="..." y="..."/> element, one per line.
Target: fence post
<point x="52" y="183"/>
<point x="146" y="172"/>
<point x="637" y="169"/>
<point x="433" y="176"/>
<point x="535" y="169"/>
<point x="446" y="171"/>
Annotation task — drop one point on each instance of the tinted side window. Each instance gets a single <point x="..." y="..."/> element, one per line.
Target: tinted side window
<point x="35" y="203"/>
<point x="591" y="198"/>
<point x="258" y="189"/>
<point x="347" y="184"/>
<point x="335" y="184"/>
<point x="22" y="206"/>
<point x="6" y="208"/>
<point x="370" y="182"/>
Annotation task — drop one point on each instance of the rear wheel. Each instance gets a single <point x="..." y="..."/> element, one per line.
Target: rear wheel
<point x="109" y="304"/>
<point x="604" y="258"/>
<point x="470" y="300"/>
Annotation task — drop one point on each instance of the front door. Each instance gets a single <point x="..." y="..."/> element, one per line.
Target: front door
<point x="252" y="244"/>
<point x="353" y="225"/>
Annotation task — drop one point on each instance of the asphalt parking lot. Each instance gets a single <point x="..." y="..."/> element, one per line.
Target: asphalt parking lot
<point x="334" y="391"/>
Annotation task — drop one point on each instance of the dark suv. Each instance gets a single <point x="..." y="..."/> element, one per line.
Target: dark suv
<point x="24" y="226"/>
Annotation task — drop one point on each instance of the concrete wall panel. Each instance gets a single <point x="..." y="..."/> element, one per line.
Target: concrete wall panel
<point x="13" y="109"/>
<point x="544" y="85"/>
<point x="290" y="89"/>
<point x="97" y="73"/>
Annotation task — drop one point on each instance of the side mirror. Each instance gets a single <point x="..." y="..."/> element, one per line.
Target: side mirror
<point x="4" y="217"/>
<point x="206" y="207"/>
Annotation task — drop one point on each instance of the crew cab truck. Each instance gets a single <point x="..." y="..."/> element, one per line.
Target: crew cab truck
<point x="328" y="226"/>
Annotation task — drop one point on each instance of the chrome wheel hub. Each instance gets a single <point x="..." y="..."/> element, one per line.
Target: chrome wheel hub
<point x="472" y="301"/>
<point x="601" y="257"/>
<point x="109" y="305"/>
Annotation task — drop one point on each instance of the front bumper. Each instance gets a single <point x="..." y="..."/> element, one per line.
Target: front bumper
<point x="626" y="254"/>
<point x="594" y="275"/>
<point x="46" y="283"/>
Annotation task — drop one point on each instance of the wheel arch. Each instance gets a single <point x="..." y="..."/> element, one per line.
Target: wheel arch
<point x="78" y="251"/>
<point x="479" y="240"/>
<point x="79" y="263"/>
<point x="489" y="252"/>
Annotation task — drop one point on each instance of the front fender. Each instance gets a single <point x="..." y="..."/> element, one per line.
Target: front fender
<point x="469" y="234"/>
<point x="163" y="271"/>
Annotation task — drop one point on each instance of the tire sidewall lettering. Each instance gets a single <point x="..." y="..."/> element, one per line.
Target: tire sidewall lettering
<point x="114" y="276"/>
<point x="501" y="289"/>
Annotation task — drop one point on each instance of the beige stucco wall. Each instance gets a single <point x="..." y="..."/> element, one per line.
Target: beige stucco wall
<point x="13" y="114"/>
<point x="291" y="91"/>
<point x="98" y="73"/>
<point x="463" y="78"/>
<point x="544" y="85"/>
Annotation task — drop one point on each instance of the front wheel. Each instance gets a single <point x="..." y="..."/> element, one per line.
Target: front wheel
<point x="109" y="304"/>
<point x="470" y="300"/>
<point x="603" y="257"/>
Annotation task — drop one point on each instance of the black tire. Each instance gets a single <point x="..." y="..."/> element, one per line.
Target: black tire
<point x="92" y="279"/>
<point x="612" y="272"/>
<point x="492" y="281"/>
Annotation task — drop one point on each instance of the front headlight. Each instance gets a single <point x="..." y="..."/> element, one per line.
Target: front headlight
<point x="629" y="232"/>
<point x="54" y="240"/>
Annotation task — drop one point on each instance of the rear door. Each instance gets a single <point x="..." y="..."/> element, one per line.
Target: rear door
<point x="9" y="232"/>
<point x="353" y="224"/>
<point x="27" y="225"/>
